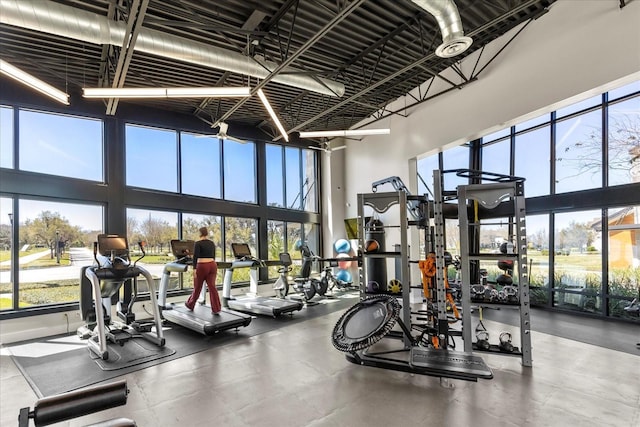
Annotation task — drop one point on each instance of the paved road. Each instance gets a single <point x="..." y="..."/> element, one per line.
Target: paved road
<point x="79" y="257"/>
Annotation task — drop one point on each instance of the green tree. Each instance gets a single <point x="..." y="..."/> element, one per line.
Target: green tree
<point x="191" y="230"/>
<point x="5" y="236"/>
<point x="275" y="238"/>
<point x="240" y="230"/>
<point x="539" y="239"/>
<point x="133" y="231"/>
<point x="157" y="233"/>
<point x="575" y="235"/>
<point x="47" y="229"/>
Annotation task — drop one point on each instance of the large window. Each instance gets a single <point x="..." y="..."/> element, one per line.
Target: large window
<point x="577" y="280"/>
<point x="496" y="157"/>
<point x="309" y="189"/>
<point x="158" y="183"/>
<point x="276" y="242"/>
<point x="55" y="240"/>
<point x="425" y="168"/>
<point x="624" y="142"/>
<point x="538" y="254"/>
<point x="624" y="259"/>
<point x="240" y="230"/>
<point x="532" y="160"/>
<point x="287" y="237"/>
<point x="579" y="106"/>
<point x="152" y="158"/>
<point x="60" y="145"/>
<point x="6" y="225"/>
<point x="200" y="165"/>
<point x="154" y="229"/>
<point x="532" y="123"/>
<point x="292" y="181"/>
<point x="579" y="152"/>
<point x="291" y="178"/>
<point x="455" y="158"/>
<point x="275" y="181"/>
<point x="191" y="224"/>
<point x="493" y="233"/>
<point x="239" y="171"/>
<point x="6" y="137"/>
<point x="589" y="261"/>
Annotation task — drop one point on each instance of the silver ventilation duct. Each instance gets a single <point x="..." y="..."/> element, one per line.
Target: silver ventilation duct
<point x="446" y="13"/>
<point x="58" y="19"/>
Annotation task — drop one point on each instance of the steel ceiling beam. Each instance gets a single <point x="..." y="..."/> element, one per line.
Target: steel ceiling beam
<point x="249" y="25"/>
<point x="326" y="29"/>
<point x="134" y="24"/>
<point x="343" y="103"/>
<point x="473" y="77"/>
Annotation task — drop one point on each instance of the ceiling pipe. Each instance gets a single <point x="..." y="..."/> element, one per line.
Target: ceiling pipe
<point x="58" y="19"/>
<point x="446" y="13"/>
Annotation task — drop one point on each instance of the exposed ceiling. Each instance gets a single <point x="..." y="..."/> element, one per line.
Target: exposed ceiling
<point x="378" y="50"/>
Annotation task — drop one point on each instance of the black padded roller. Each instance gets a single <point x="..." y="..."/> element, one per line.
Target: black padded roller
<point x="53" y="409"/>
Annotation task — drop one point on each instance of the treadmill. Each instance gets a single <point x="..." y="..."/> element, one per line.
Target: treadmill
<point x="252" y="302"/>
<point x="200" y="319"/>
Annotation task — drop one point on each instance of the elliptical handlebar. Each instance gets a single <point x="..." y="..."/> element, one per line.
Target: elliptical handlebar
<point x="141" y="245"/>
<point x="95" y="253"/>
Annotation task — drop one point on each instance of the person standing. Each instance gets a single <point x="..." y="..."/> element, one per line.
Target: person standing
<point x="205" y="269"/>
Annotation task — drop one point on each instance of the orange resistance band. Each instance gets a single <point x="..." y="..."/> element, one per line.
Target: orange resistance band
<point x="428" y="269"/>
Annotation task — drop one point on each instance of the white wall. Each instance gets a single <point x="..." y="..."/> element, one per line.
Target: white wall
<point x="333" y="196"/>
<point x="579" y="48"/>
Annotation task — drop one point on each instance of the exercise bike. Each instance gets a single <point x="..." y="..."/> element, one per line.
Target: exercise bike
<point x="304" y="285"/>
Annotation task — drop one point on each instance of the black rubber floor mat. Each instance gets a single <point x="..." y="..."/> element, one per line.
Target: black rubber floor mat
<point x="134" y="352"/>
<point x="63" y="363"/>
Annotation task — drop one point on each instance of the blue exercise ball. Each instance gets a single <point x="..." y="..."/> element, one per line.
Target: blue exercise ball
<point x="342" y="246"/>
<point x="344" y="276"/>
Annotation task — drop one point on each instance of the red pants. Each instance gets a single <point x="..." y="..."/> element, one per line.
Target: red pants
<point x="205" y="271"/>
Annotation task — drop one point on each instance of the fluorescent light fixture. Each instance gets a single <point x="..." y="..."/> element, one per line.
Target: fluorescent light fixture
<point x="33" y="82"/>
<point x="355" y="132"/>
<point x="167" y="92"/>
<point x="272" y="113"/>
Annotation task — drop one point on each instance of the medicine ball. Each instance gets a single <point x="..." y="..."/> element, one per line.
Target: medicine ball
<point x="344" y="276"/>
<point x="373" y="286"/>
<point x="342" y="246"/>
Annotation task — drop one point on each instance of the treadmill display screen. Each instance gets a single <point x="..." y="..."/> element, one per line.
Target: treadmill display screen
<point x="112" y="244"/>
<point x="241" y="250"/>
<point x="182" y="248"/>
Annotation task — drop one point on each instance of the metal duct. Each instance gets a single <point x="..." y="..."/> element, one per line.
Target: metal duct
<point x="446" y="13"/>
<point x="55" y="18"/>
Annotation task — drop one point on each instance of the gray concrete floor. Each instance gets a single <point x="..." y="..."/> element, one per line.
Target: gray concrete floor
<point x="294" y="377"/>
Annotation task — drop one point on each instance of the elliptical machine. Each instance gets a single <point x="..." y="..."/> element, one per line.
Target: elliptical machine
<point x="102" y="281"/>
<point x="281" y="286"/>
